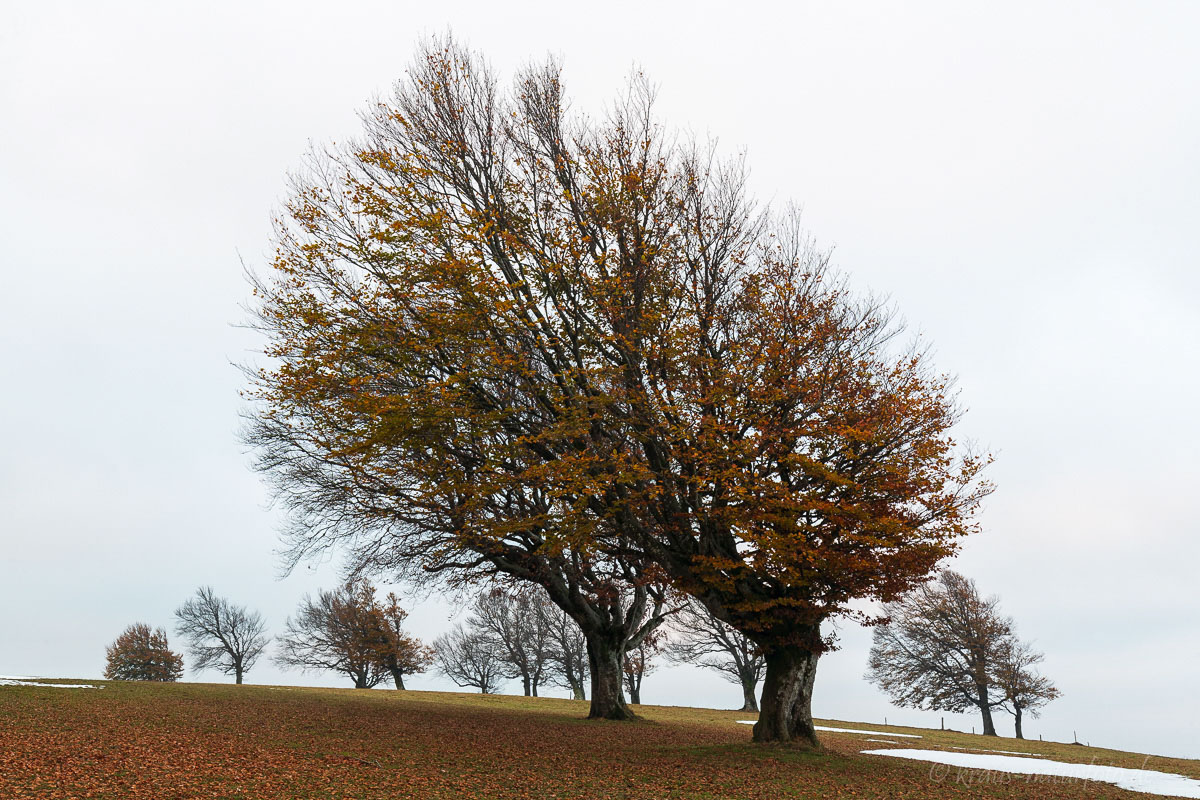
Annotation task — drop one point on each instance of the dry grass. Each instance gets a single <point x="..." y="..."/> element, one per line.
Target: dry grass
<point x="133" y="740"/>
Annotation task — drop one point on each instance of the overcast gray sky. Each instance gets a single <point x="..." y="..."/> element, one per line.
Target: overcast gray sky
<point x="1021" y="179"/>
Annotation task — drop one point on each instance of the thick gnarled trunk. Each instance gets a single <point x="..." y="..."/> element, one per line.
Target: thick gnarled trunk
<point x="605" y="654"/>
<point x="785" y="713"/>
<point x="398" y="678"/>
<point x="1017" y="714"/>
<point x="985" y="710"/>
<point x="749" y="701"/>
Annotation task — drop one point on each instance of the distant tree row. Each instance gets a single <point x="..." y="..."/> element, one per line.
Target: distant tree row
<point x="511" y="633"/>
<point x="515" y="633"/>
<point x="946" y="648"/>
<point x="219" y="635"/>
<point x="519" y="633"/>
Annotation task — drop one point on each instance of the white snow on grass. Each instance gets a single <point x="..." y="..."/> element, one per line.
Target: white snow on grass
<point x="845" y="730"/>
<point x="884" y="741"/>
<point x="30" y="682"/>
<point x="1010" y="752"/>
<point x="868" y="733"/>
<point x="976" y="768"/>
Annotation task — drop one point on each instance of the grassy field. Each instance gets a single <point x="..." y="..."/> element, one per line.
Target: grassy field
<point x="136" y="740"/>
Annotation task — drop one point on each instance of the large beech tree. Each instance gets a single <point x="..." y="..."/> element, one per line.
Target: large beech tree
<point x="508" y="338"/>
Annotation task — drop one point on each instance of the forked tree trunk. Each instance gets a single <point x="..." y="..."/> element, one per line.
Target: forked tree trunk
<point x="750" y="702"/>
<point x="604" y="657"/>
<point x="785" y="714"/>
<point x="1017" y="714"/>
<point x="577" y="690"/>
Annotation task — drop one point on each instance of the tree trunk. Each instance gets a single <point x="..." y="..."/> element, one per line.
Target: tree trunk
<point x="237" y="672"/>
<point x="1017" y="714"/>
<point x="635" y="695"/>
<point x="989" y="729"/>
<point x="786" y="710"/>
<point x="750" y="702"/>
<point x="525" y="684"/>
<point x="398" y="677"/>
<point x="577" y="690"/>
<point x="604" y="658"/>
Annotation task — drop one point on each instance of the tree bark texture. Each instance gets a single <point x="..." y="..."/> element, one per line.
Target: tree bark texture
<point x="750" y="702"/>
<point x="604" y="658"/>
<point x="786" y="710"/>
<point x="989" y="727"/>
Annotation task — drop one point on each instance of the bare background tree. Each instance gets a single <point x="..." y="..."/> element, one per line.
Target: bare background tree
<point x="470" y="658"/>
<point x="514" y="622"/>
<point x="706" y="641"/>
<point x="219" y="634"/>
<point x="941" y="648"/>
<point x="639" y="662"/>
<point x="567" y="659"/>
<point x="337" y="631"/>
<point x="1025" y="690"/>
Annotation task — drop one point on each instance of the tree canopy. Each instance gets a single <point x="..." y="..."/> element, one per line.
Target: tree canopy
<point x="221" y="635"/>
<point x="348" y="630"/>
<point x="946" y="647"/>
<point x="142" y="654"/>
<point x="506" y="337"/>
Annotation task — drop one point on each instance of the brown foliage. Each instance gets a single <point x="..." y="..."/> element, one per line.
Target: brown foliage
<point x="948" y="648"/>
<point x="506" y="338"/>
<point x="347" y="630"/>
<point x="141" y="654"/>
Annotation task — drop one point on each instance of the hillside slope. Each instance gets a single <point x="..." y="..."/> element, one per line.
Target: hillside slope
<point x="134" y="740"/>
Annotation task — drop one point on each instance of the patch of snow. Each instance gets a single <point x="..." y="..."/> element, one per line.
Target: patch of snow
<point x="868" y="733"/>
<point x="977" y="769"/>
<point x="1010" y="752"/>
<point x="27" y="682"/>
<point x="885" y="741"/>
<point x="845" y="730"/>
